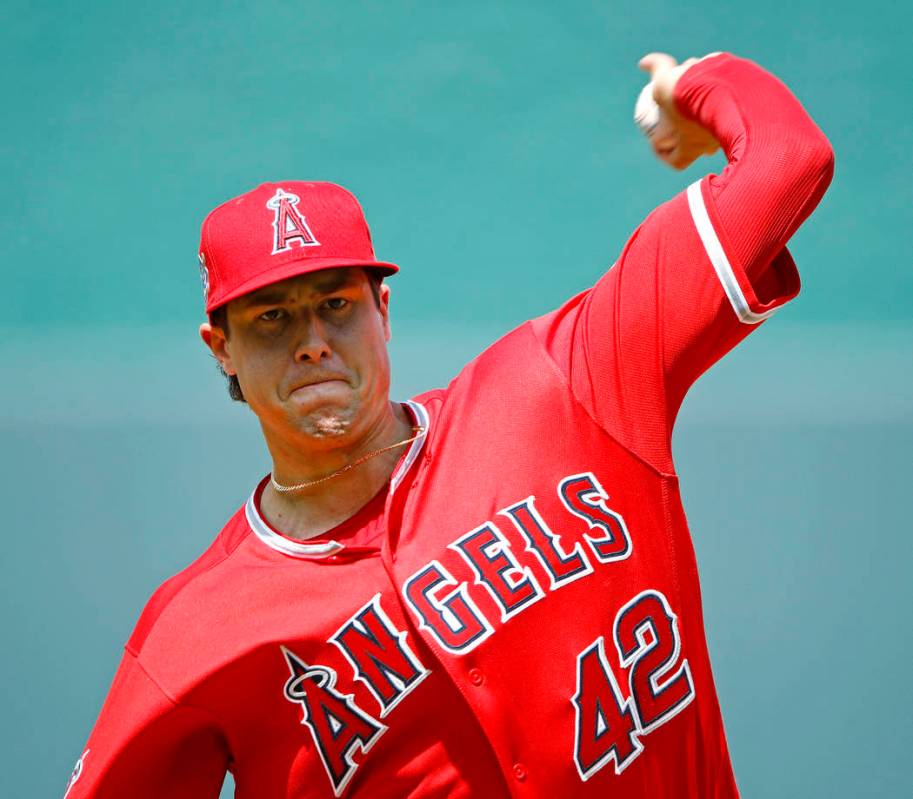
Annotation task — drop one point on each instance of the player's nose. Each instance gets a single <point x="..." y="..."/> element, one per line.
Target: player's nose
<point x="311" y="342"/>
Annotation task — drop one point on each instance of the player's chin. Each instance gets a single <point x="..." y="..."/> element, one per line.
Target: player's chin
<point x="326" y="420"/>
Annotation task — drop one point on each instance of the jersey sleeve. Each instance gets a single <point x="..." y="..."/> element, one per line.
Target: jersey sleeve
<point x="146" y="746"/>
<point x="702" y="270"/>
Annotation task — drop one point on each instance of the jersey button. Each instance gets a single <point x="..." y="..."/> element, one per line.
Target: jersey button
<point x="520" y="772"/>
<point x="476" y="677"/>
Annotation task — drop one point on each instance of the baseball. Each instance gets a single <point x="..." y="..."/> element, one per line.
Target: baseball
<point x="647" y="112"/>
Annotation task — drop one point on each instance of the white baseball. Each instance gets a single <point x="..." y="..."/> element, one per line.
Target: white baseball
<point x="646" y="110"/>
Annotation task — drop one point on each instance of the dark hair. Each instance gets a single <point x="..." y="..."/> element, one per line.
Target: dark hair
<point x="218" y="317"/>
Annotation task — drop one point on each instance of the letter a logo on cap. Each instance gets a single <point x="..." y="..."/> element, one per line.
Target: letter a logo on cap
<point x="288" y="223"/>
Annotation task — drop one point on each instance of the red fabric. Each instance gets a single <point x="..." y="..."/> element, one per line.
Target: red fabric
<point x="277" y="231"/>
<point x="145" y="744"/>
<point x="534" y="579"/>
<point x="780" y="163"/>
<point x="633" y="344"/>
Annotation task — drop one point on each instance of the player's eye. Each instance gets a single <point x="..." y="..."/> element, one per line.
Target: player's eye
<point x="336" y="303"/>
<point x="272" y="315"/>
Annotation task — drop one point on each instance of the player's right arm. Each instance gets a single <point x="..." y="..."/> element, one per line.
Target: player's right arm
<point x="779" y="162"/>
<point x="706" y="267"/>
<point x="146" y="746"/>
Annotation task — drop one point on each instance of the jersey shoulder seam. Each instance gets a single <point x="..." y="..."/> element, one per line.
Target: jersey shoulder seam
<point x="174" y="701"/>
<point x="222" y="556"/>
<point x="562" y="377"/>
<point x="136" y="659"/>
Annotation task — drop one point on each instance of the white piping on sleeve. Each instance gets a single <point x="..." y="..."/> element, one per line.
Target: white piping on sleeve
<point x="718" y="258"/>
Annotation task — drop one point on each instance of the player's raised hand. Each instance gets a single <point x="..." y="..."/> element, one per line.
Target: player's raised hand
<point x="676" y="140"/>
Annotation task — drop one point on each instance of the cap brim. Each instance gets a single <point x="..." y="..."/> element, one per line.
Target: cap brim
<point x="293" y="269"/>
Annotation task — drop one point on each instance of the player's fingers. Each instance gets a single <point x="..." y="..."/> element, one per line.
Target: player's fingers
<point x="680" y="160"/>
<point x="685" y="154"/>
<point x="673" y="150"/>
<point x="711" y="147"/>
<point x="664" y="148"/>
<point x="654" y="62"/>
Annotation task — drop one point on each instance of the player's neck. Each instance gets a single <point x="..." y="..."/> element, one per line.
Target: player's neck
<point x="313" y="510"/>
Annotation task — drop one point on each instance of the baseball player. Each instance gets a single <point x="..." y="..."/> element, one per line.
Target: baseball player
<point x="488" y="590"/>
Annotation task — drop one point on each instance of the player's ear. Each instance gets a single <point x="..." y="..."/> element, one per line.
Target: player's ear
<point x="383" y="297"/>
<point x="214" y="338"/>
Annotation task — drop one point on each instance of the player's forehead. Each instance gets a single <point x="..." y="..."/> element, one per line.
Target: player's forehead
<point x="324" y="281"/>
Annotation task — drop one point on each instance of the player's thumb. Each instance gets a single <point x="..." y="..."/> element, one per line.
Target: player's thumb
<point x="654" y="62"/>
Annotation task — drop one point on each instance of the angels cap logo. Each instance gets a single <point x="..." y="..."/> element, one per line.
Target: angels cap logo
<point x="288" y="223"/>
<point x="77" y="773"/>
<point x="204" y="276"/>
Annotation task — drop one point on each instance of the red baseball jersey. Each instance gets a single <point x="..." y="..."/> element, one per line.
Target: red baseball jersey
<point x="518" y="612"/>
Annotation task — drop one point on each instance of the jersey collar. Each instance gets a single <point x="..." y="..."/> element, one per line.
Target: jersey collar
<point x="324" y="549"/>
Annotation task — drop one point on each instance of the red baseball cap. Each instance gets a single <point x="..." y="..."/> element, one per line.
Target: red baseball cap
<point x="280" y="230"/>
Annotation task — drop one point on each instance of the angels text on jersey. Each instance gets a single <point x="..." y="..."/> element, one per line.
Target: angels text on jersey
<point x="618" y="699"/>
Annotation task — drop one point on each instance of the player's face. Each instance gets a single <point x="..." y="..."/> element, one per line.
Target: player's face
<point x="310" y="354"/>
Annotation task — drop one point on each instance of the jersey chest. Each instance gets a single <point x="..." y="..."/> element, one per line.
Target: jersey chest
<point x="550" y="592"/>
<point x="500" y="616"/>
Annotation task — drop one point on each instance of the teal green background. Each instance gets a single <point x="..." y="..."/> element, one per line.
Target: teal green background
<point x="492" y="147"/>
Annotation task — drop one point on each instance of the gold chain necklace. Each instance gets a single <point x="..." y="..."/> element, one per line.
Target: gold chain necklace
<point x="417" y="431"/>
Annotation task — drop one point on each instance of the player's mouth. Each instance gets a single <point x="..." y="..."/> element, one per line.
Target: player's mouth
<point x="316" y="385"/>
